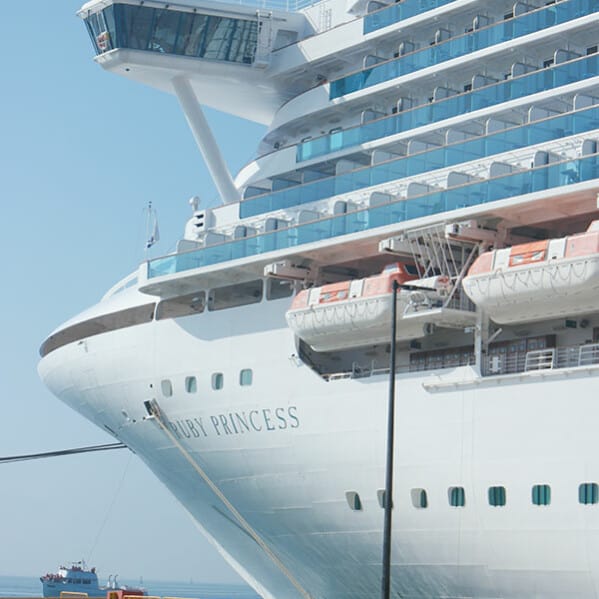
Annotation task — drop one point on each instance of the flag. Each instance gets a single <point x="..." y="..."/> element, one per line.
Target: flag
<point x="155" y="236"/>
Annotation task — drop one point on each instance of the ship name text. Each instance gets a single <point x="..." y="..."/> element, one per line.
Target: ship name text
<point x="236" y="423"/>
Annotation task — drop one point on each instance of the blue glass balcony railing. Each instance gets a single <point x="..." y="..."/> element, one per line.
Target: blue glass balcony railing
<point x="170" y="31"/>
<point x="472" y="194"/>
<point x="399" y="12"/>
<point x="490" y="95"/>
<point x="413" y="164"/>
<point x="507" y="30"/>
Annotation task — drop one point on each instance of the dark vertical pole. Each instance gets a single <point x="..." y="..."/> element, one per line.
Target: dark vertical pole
<point x="386" y="578"/>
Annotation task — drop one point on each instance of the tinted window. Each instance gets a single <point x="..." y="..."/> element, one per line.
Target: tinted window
<point x="353" y="500"/>
<point x="169" y="31"/>
<point x="245" y="377"/>
<point x="191" y="384"/>
<point x="381" y="496"/>
<point x="95" y="326"/>
<point x="218" y="380"/>
<point x="457" y="496"/>
<point x="278" y="288"/>
<point x="497" y="496"/>
<point x="588" y="493"/>
<point x="419" y="498"/>
<point x="235" y="295"/>
<point x="184" y="305"/>
<point x="541" y="495"/>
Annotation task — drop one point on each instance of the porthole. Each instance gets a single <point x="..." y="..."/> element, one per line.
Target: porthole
<point x="456" y="496"/>
<point x="353" y="500"/>
<point x="419" y="498"/>
<point x="497" y="496"/>
<point x="167" y="387"/>
<point x="541" y="494"/>
<point x="218" y="381"/>
<point x="588" y="493"/>
<point x="191" y="384"/>
<point x="381" y="495"/>
<point x="245" y="377"/>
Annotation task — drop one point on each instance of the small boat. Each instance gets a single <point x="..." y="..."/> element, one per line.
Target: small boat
<point x="357" y="312"/>
<point x="77" y="581"/>
<point x="534" y="281"/>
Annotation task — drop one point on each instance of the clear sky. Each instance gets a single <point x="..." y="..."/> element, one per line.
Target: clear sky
<point x="82" y="152"/>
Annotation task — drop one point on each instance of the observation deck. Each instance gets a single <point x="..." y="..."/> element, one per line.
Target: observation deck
<point x="221" y="49"/>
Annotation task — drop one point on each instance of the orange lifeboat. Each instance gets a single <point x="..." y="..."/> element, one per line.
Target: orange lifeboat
<point x="539" y="280"/>
<point x="357" y="312"/>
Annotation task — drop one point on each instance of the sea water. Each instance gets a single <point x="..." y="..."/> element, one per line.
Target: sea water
<point x="22" y="586"/>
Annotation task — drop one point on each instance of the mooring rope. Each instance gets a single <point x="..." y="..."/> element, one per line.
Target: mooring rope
<point x="244" y="524"/>
<point x="61" y="452"/>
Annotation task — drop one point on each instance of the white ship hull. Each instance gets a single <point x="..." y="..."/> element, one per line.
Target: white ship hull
<point x="424" y="131"/>
<point x="310" y="441"/>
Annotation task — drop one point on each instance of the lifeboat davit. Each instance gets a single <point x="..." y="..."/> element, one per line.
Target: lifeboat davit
<point x="538" y="280"/>
<point x="357" y="312"/>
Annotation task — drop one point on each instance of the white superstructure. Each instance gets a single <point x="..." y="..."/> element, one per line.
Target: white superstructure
<point x="249" y="369"/>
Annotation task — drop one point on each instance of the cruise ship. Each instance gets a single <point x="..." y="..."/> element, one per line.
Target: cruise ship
<point x="432" y="159"/>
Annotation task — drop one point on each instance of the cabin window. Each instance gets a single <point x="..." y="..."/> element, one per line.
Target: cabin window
<point x="191" y="384"/>
<point x="245" y="377"/>
<point x="218" y="381"/>
<point x="419" y="498"/>
<point x="184" y="305"/>
<point x="167" y="387"/>
<point x="278" y="288"/>
<point x="239" y="294"/>
<point x="457" y="496"/>
<point x="541" y="494"/>
<point x="497" y="496"/>
<point x="381" y="495"/>
<point x="353" y="500"/>
<point x="588" y="493"/>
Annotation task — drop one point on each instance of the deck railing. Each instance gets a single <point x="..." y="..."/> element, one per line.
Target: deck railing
<point x="552" y="358"/>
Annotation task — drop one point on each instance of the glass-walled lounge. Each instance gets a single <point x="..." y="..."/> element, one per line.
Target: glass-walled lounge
<point x="512" y="185"/>
<point x="545" y="130"/>
<point x="169" y="31"/>
<point x="507" y="30"/>
<point x="490" y="95"/>
<point x="399" y="11"/>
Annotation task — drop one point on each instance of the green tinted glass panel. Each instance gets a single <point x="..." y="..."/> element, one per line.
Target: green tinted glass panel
<point x="541" y="495"/>
<point x="588" y="493"/>
<point x="457" y="497"/>
<point x="497" y="496"/>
